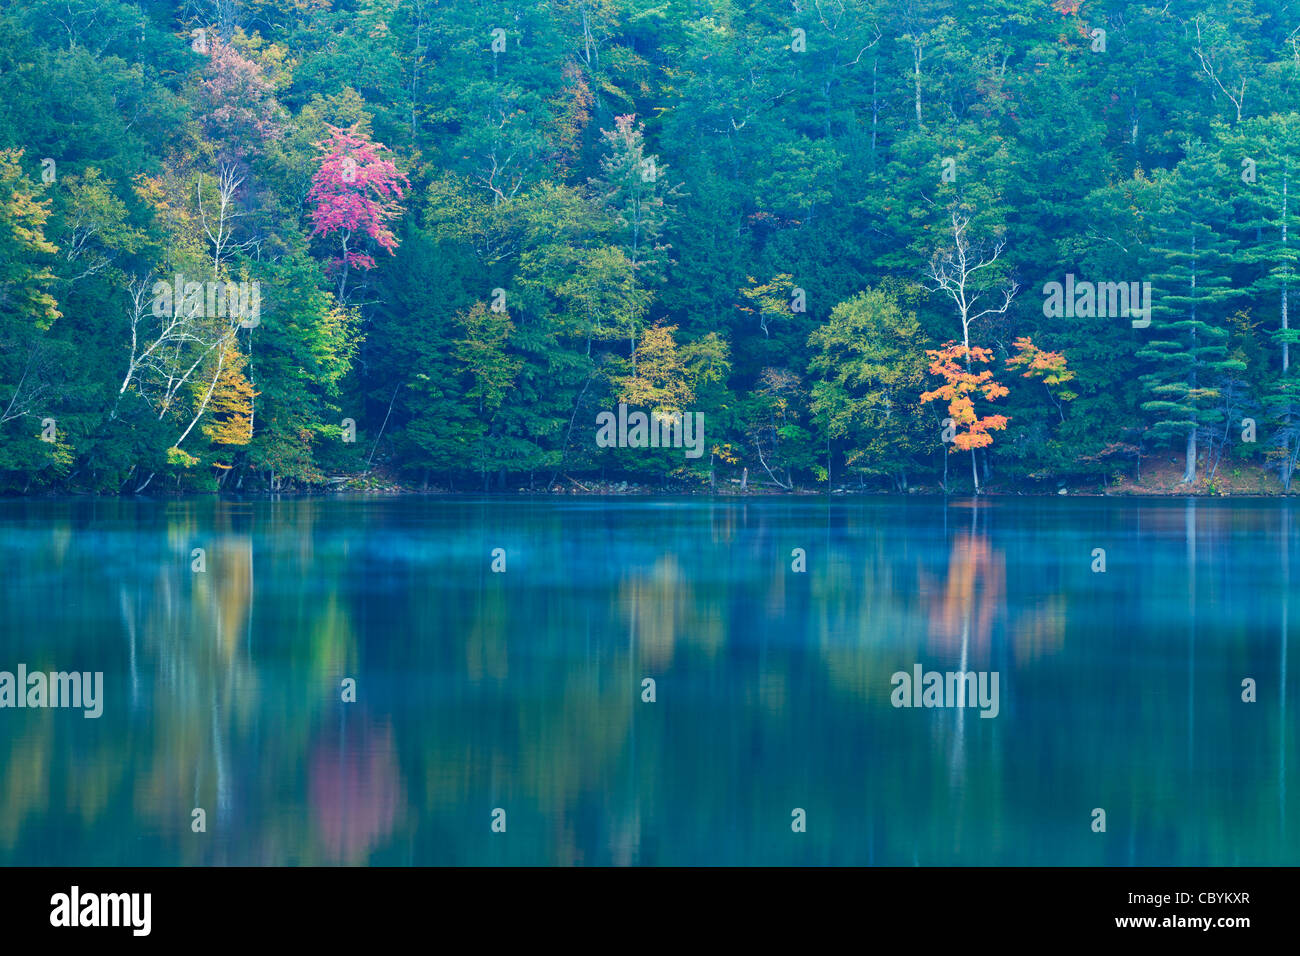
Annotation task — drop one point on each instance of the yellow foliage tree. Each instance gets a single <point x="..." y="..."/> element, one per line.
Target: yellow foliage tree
<point x="231" y="407"/>
<point x="660" y="379"/>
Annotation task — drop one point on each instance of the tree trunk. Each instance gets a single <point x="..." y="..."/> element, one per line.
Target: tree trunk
<point x="916" y="80"/>
<point x="1286" y="346"/>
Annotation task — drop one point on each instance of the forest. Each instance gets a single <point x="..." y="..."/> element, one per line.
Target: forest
<point x="872" y="245"/>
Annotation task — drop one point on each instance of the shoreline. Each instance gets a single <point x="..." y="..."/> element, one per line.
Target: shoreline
<point x="401" y="492"/>
<point x="1160" y="478"/>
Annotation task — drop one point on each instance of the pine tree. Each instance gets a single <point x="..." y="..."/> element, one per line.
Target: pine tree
<point x="1270" y="190"/>
<point x="1187" y="350"/>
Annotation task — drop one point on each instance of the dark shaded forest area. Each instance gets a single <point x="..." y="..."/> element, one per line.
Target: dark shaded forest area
<point x="893" y="244"/>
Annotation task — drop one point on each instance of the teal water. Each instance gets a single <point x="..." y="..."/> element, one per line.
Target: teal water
<point x="522" y="690"/>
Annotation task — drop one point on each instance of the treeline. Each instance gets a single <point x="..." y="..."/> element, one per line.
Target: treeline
<point x="830" y="228"/>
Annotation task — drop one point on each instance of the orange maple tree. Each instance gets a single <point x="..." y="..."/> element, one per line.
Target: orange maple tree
<point x="952" y="363"/>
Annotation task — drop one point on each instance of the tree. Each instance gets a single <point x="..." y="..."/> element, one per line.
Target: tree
<point x="1272" y="203"/>
<point x="27" y="304"/>
<point x="1187" y="352"/>
<point x="240" y="110"/>
<point x="490" y="372"/>
<point x="870" y="372"/>
<point x="635" y="192"/>
<point x="770" y="301"/>
<point x="1050" y="368"/>
<point x="355" y="194"/>
<point x="659" y="378"/>
<point x="952" y="364"/>
<point x="964" y="271"/>
<point x="25" y="273"/>
<point x="230" y="423"/>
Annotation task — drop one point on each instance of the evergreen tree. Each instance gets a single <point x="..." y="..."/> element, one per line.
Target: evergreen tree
<point x="1187" y="349"/>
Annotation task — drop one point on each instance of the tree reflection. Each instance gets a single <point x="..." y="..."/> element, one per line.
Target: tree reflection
<point x="355" y="788"/>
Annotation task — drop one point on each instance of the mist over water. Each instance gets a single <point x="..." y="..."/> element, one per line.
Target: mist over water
<point x="522" y="689"/>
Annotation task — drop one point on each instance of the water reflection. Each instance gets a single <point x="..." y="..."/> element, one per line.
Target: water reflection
<point x="356" y="788"/>
<point x="522" y="690"/>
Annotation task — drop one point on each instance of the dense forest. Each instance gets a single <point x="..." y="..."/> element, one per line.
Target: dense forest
<point x="252" y="245"/>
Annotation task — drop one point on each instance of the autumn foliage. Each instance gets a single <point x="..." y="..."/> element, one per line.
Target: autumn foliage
<point x="1038" y="363"/>
<point x="959" y="388"/>
<point x="356" y="192"/>
<point x="239" y="106"/>
<point x="231" y="406"/>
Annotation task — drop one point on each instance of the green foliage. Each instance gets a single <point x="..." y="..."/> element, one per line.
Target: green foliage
<point x="691" y="206"/>
<point x="870" y="364"/>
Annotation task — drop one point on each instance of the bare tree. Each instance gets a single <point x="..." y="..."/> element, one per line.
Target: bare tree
<point x="32" y="385"/>
<point x="219" y="226"/>
<point x="1210" y="66"/>
<point x="168" y="350"/>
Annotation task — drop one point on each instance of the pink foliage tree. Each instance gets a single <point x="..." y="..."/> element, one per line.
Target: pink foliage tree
<point x="354" y="194"/>
<point x="240" y="107"/>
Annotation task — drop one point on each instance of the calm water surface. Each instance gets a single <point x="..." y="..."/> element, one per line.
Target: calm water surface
<point x="522" y="690"/>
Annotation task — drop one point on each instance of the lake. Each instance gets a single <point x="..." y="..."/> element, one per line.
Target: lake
<point x="501" y="648"/>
